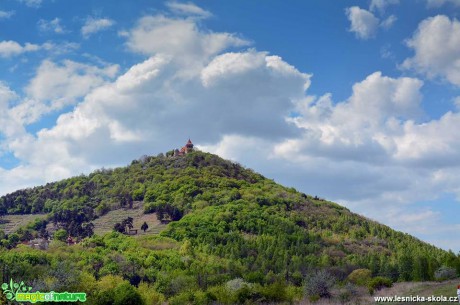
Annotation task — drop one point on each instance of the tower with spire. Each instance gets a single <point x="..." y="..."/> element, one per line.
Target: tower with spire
<point x="185" y="149"/>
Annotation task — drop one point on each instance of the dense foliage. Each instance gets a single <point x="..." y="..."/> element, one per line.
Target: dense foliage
<point x="234" y="236"/>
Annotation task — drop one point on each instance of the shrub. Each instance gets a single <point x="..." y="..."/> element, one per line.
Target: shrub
<point x="60" y="235"/>
<point x="314" y="298"/>
<point x="347" y="293"/>
<point x="297" y="278"/>
<point x="445" y="273"/>
<point x="236" y="284"/>
<point x="154" y="206"/>
<point x="360" y="277"/>
<point x="379" y="282"/>
<point x="182" y="298"/>
<point x="221" y="294"/>
<point x="178" y="283"/>
<point x="275" y="292"/>
<point x="338" y="272"/>
<point x="125" y="294"/>
<point x="138" y="194"/>
<point x="196" y="297"/>
<point x="255" y="277"/>
<point x="319" y="284"/>
<point x="293" y="293"/>
<point x="149" y="295"/>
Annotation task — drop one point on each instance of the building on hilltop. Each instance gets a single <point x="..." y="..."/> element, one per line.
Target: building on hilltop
<point x="184" y="150"/>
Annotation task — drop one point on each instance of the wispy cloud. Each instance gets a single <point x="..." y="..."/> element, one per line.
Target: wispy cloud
<point x="187" y="9"/>
<point x="10" y="48"/>
<point x="32" y="3"/>
<point x="381" y="4"/>
<point x="388" y="23"/>
<point x="94" y="25"/>
<point x="51" y="26"/>
<point x="6" y="14"/>
<point x="438" y="3"/>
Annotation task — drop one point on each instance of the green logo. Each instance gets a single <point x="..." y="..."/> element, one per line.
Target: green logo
<point x="20" y="292"/>
<point x="13" y="288"/>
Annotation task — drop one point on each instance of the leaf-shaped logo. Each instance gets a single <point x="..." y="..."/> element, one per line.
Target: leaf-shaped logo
<point x="13" y="288"/>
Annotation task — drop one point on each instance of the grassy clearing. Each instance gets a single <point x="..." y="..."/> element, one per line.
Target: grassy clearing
<point x="11" y="223"/>
<point x="105" y="223"/>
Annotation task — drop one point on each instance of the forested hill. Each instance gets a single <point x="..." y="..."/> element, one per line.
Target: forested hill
<point x="229" y="220"/>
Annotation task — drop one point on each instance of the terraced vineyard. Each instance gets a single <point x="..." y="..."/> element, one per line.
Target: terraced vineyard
<point x="104" y="224"/>
<point x="11" y="223"/>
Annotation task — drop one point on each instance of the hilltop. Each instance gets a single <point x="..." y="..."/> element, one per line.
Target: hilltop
<point x="227" y="233"/>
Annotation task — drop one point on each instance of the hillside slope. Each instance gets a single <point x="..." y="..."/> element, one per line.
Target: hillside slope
<point x="227" y="222"/>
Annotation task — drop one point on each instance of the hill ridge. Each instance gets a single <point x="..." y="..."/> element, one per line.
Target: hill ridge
<point x="234" y="213"/>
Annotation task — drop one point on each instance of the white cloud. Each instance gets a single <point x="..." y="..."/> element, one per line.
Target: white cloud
<point x="51" y="26"/>
<point x="230" y="64"/>
<point x="382" y="97"/>
<point x="9" y="48"/>
<point x="386" y="52"/>
<point x="381" y="4"/>
<point x="187" y="9"/>
<point x="62" y="48"/>
<point x="67" y="81"/>
<point x="456" y="101"/>
<point x="32" y="3"/>
<point x="6" y="95"/>
<point x="8" y="126"/>
<point x="438" y="3"/>
<point x="431" y="144"/>
<point x="363" y="23"/>
<point x="180" y="38"/>
<point x="94" y="25"/>
<point x="359" y="129"/>
<point x="388" y="22"/>
<point x="436" y="46"/>
<point x="6" y="14"/>
<point x="56" y="86"/>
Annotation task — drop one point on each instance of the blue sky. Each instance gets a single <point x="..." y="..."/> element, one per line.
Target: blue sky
<point x="354" y="101"/>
